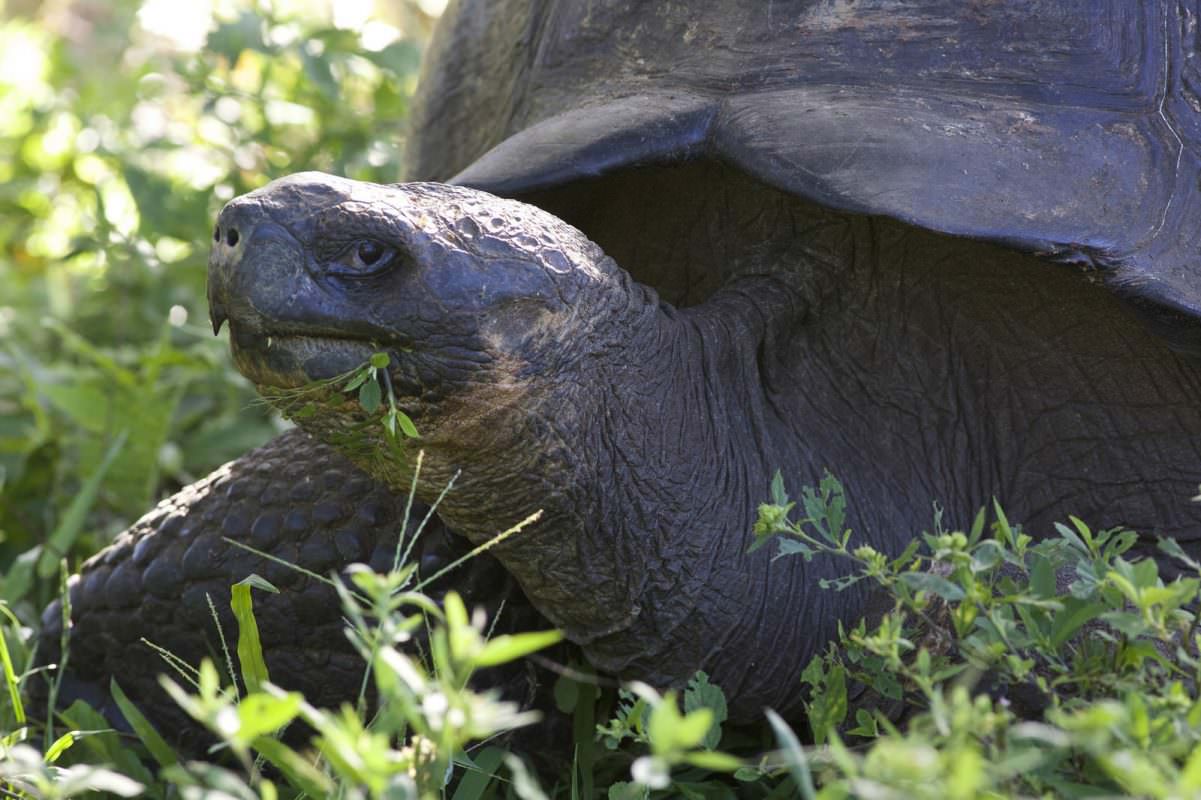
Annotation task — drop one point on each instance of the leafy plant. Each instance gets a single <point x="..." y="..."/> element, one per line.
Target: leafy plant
<point x="1017" y="667"/>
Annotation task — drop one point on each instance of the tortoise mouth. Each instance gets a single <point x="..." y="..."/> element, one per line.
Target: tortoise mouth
<point x="290" y="360"/>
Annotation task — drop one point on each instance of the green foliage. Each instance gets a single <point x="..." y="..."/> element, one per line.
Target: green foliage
<point x="1018" y="668"/>
<point x="124" y="126"/>
<point x="646" y="718"/>
<point x="426" y="713"/>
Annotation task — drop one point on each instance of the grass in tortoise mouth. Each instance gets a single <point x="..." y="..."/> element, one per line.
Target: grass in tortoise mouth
<point x="353" y="410"/>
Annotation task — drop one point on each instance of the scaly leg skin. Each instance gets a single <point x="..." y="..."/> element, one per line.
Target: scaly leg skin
<point x="302" y="502"/>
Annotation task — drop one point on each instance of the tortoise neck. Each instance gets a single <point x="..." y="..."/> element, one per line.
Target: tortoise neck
<point x="655" y="454"/>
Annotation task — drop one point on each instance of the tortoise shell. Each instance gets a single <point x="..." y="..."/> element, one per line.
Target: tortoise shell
<point x="1069" y="128"/>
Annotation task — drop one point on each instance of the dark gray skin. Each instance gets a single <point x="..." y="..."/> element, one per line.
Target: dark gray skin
<point x="916" y="367"/>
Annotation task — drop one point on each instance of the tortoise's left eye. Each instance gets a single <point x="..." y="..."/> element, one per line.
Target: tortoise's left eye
<point x="369" y="252"/>
<point x="365" y="257"/>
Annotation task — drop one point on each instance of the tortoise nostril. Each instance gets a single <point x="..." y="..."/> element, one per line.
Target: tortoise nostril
<point x="217" y="233"/>
<point x="231" y="237"/>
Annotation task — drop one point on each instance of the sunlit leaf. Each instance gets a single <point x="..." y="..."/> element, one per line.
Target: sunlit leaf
<point x="250" y="648"/>
<point x="510" y="647"/>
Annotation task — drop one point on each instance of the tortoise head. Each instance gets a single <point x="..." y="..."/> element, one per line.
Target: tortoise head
<point x="465" y="290"/>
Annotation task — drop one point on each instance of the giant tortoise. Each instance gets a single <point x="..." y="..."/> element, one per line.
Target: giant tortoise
<point x="947" y="250"/>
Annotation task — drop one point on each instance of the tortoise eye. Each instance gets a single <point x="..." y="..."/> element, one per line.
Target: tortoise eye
<point x="364" y="258"/>
<point x="369" y="252"/>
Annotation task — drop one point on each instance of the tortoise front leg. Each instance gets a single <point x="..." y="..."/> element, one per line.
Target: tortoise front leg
<point x="295" y="498"/>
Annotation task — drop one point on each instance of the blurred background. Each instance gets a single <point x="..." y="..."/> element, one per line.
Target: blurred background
<point x="124" y="126"/>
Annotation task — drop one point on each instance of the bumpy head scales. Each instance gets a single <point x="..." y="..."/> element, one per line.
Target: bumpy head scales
<point x="312" y="271"/>
<point x="468" y="294"/>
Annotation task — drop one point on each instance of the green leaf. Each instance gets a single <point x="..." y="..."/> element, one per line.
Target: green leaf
<point x="836" y="505"/>
<point x="1131" y="625"/>
<point x="567" y="694"/>
<point x="828" y="708"/>
<point x="987" y="555"/>
<point x="357" y="380"/>
<point x="906" y="557"/>
<point x="250" y="647"/>
<point x="86" y="404"/>
<point x="1001" y="527"/>
<point x="662" y="726"/>
<point x="692" y="729"/>
<point x="794" y="755"/>
<point x="1145" y="571"/>
<point x="625" y="790"/>
<point x="306" y="411"/>
<point x="978" y="525"/>
<point x="793" y="547"/>
<point x="700" y="693"/>
<point x="60" y="746"/>
<point x="667" y="730"/>
<point x="865" y="724"/>
<point x="256" y="581"/>
<point x="510" y="647"/>
<point x="261" y="713"/>
<point x="779" y="497"/>
<point x="160" y="751"/>
<point x="106" y="746"/>
<point x="749" y="775"/>
<point x="814" y="672"/>
<point x="584" y="733"/>
<point x="229" y="39"/>
<point x="456" y="611"/>
<point x="297" y="769"/>
<point x="369" y="396"/>
<point x="713" y="760"/>
<point x="19" y="578"/>
<point x="477" y="778"/>
<point x="1070" y="536"/>
<point x="380" y="360"/>
<point x="406" y="424"/>
<point x="1042" y="577"/>
<point x="71" y="524"/>
<point x="1190" y="776"/>
<point x="1173" y="548"/>
<point x="934" y="584"/>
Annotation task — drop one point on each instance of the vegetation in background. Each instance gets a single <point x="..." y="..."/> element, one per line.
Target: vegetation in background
<point x="124" y="125"/>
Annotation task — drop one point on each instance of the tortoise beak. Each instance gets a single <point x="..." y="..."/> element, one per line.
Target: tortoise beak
<point x="217" y="314"/>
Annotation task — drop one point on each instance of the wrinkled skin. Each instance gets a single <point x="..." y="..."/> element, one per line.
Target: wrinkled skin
<point x="644" y="410"/>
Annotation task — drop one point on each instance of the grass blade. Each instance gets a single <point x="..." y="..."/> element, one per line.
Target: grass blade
<point x="479" y="776"/>
<point x="798" y="765"/>
<point x="160" y="751"/>
<point x="10" y="674"/>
